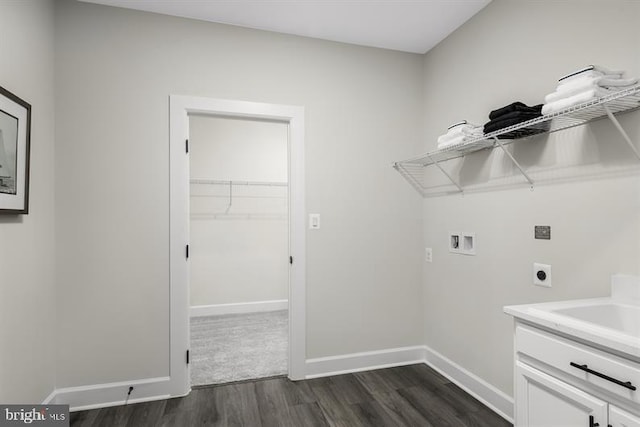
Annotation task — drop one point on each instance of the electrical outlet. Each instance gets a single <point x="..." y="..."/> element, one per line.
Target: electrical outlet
<point x="542" y="275"/>
<point x="428" y="255"/>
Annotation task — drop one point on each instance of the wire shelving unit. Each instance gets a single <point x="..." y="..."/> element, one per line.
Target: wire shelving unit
<point x="413" y="169"/>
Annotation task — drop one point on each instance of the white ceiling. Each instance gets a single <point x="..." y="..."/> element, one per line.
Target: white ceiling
<point x="405" y="25"/>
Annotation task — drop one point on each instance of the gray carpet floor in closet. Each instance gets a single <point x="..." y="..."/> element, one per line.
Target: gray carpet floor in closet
<point x="237" y="347"/>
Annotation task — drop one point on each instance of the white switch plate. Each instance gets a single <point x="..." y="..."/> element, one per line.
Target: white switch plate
<point x="428" y="255"/>
<point x="314" y="221"/>
<point x="546" y="268"/>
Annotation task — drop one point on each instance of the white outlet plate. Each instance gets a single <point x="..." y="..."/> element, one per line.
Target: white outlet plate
<point x="547" y="270"/>
<point x="428" y="255"/>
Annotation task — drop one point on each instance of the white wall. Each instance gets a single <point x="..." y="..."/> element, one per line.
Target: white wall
<point x="239" y="253"/>
<point x="114" y="72"/>
<point x="28" y="300"/>
<point x="516" y="51"/>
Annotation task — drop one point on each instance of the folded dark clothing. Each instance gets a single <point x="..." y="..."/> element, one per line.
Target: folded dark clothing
<point x="513" y="107"/>
<point x="521" y="115"/>
<point x="507" y="120"/>
<point x="524" y="132"/>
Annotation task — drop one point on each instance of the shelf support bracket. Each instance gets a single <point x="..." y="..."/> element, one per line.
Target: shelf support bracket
<point x="621" y="130"/>
<point x="446" y="174"/>
<point x="515" y="162"/>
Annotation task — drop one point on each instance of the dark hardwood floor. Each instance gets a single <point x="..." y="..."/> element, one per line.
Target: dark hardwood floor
<point x="410" y="396"/>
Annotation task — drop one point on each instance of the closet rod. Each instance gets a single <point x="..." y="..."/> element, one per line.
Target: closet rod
<point x="233" y="182"/>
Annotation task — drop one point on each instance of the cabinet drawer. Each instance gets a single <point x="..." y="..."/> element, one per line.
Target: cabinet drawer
<point x="596" y="367"/>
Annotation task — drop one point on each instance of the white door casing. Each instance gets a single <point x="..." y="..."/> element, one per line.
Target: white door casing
<point x="179" y="109"/>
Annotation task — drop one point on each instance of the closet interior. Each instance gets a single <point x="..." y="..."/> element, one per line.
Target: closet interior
<point x="238" y="249"/>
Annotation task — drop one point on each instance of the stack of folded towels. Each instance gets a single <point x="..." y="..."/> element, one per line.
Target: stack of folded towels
<point x="459" y="133"/>
<point x="512" y="114"/>
<point x="587" y="84"/>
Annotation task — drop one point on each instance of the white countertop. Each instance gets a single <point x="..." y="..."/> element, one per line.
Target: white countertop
<point x="624" y="293"/>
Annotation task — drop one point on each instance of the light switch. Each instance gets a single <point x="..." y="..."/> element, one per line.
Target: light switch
<point x="314" y="221"/>
<point x="428" y="254"/>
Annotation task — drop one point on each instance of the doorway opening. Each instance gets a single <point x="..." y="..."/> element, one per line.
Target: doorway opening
<point x="239" y="248"/>
<point x="180" y="110"/>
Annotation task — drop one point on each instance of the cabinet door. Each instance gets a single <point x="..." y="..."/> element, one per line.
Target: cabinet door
<point x="545" y="401"/>
<point x="620" y="418"/>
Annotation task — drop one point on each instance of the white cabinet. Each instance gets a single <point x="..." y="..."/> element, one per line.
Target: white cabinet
<point x="560" y="382"/>
<point x="544" y="401"/>
<point x="622" y="418"/>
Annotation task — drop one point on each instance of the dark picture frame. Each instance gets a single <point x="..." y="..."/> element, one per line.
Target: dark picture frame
<point x="15" y="142"/>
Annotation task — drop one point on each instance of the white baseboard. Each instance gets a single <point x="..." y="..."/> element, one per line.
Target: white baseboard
<point x="496" y="400"/>
<point x="356" y="362"/>
<point x="114" y="394"/>
<point x="236" y="308"/>
<point x="111" y="394"/>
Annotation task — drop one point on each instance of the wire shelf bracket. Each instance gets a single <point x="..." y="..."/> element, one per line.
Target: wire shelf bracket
<point x="620" y="129"/>
<point x="453" y="181"/>
<point x="515" y="162"/>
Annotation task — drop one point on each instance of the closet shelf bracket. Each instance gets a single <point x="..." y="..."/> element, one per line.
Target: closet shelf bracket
<point x="624" y="134"/>
<point x="515" y="162"/>
<point x="453" y="181"/>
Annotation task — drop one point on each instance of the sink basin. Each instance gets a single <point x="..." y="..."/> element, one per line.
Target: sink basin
<point x="612" y="323"/>
<point x="622" y="318"/>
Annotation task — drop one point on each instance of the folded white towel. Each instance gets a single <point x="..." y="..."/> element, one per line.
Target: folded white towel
<point x="616" y="82"/>
<point x="591" y="70"/>
<point x="461" y="129"/>
<point x="604" y="81"/>
<point x="471" y="132"/>
<point x="452" y="134"/>
<point x="451" y="142"/>
<point x="578" y="83"/>
<point x="568" y="90"/>
<point x="579" y="98"/>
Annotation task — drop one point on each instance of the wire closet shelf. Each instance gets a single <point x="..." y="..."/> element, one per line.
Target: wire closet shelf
<point x="622" y="101"/>
<point x="232" y="182"/>
<point x="211" y="189"/>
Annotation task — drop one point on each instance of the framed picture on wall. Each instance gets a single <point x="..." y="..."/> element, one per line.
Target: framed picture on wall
<point x="15" y="135"/>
